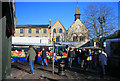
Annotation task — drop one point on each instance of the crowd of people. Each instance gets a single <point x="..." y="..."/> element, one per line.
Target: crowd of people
<point x="86" y="59"/>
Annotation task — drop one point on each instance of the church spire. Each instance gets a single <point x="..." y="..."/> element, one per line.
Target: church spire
<point x="77" y="14"/>
<point x="77" y="10"/>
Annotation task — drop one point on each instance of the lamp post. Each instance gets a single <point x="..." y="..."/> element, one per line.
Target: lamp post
<point x="101" y="21"/>
<point x="53" y="51"/>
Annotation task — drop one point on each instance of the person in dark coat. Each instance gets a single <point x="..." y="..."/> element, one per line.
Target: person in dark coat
<point x="77" y="53"/>
<point x="70" y="57"/>
<point x="44" y="57"/>
<point x="102" y="63"/>
<point x="83" y="58"/>
<point x="36" y="58"/>
<point x="61" y="52"/>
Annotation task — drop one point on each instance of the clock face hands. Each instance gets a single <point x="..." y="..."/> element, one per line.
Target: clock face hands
<point x="77" y="26"/>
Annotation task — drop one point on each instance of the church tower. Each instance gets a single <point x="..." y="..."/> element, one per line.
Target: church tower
<point x="77" y="14"/>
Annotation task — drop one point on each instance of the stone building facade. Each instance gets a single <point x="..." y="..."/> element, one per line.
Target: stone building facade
<point x="32" y="31"/>
<point x="58" y="30"/>
<point x="77" y="32"/>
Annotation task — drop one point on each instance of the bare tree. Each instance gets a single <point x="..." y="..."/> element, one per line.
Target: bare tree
<point x="100" y="20"/>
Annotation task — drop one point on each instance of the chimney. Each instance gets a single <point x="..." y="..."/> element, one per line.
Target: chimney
<point x="49" y="22"/>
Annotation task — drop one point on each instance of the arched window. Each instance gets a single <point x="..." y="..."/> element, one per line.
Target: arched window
<point x="54" y="30"/>
<point x="75" y="38"/>
<point x="81" y="38"/>
<point x="60" y="30"/>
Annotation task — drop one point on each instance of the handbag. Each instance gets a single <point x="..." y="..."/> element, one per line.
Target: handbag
<point x="87" y="58"/>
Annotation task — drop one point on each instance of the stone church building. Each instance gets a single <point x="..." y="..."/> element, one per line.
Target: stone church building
<point x="77" y="32"/>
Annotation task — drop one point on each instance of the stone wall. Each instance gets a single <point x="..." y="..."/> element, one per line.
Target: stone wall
<point x="74" y="30"/>
<point x="57" y="26"/>
<point x="33" y="32"/>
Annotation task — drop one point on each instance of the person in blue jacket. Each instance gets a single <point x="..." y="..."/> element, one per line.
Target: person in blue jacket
<point x="102" y="63"/>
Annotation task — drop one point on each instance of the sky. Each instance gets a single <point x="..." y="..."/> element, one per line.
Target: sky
<point x="39" y="13"/>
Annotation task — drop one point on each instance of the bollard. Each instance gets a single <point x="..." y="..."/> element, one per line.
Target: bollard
<point x="61" y="67"/>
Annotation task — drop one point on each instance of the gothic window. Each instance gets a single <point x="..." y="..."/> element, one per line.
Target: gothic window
<point x="21" y="30"/>
<point x="82" y="38"/>
<point x="60" y="30"/>
<point x="75" y="39"/>
<point x="54" y="30"/>
<point x="37" y="31"/>
<point x="29" y="30"/>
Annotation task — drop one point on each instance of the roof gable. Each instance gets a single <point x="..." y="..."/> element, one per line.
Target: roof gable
<point x="59" y="23"/>
<point x="78" y="20"/>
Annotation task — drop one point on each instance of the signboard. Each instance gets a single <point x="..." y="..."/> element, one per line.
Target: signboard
<point x="53" y="39"/>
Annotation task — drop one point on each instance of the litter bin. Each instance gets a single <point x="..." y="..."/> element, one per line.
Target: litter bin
<point x="61" y="67"/>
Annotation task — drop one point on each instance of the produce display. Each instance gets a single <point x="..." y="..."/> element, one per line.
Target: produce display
<point x="20" y="56"/>
<point x="49" y="56"/>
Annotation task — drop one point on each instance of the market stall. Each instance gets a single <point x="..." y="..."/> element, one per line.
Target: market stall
<point x="18" y="56"/>
<point x="50" y="57"/>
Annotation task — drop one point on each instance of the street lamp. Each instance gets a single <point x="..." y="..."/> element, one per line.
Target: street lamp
<point x="101" y="21"/>
<point x="53" y="39"/>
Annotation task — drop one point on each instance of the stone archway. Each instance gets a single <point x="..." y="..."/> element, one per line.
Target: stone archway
<point x="74" y="37"/>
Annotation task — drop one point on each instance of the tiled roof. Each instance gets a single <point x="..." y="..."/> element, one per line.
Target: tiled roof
<point x="32" y="26"/>
<point x="116" y="34"/>
<point x="95" y="40"/>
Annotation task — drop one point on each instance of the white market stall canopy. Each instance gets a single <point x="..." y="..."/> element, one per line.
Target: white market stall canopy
<point x="32" y="40"/>
<point x="33" y="44"/>
<point x="90" y="47"/>
<point x="68" y="43"/>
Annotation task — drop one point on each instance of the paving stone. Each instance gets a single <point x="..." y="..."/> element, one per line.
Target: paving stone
<point x="22" y="71"/>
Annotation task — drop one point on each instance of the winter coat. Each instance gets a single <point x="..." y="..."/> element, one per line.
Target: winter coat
<point x="83" y="56"/>
<point x="31" y="54"/>
<point x="77" y="53"/>
<point x="71" y="54"/>
<point x="43" y="54"/>
<point x="90" y="55"/>
<point x="95" y="58"/>
<point x="102" y="59"/>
